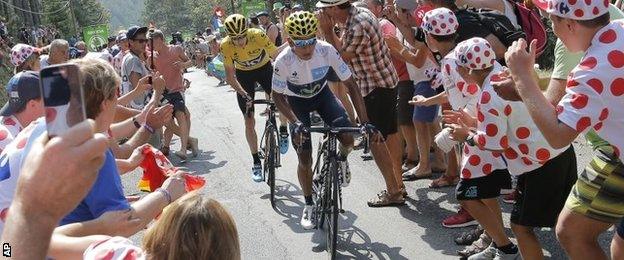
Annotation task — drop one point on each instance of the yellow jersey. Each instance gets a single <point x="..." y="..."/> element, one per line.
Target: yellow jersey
<point x="255" y="54"/>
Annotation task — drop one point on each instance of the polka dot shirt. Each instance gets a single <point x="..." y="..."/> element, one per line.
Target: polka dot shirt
<point x="507" y="126"/>
<point x="595" y="90"/>
<point x="475" y="162"/>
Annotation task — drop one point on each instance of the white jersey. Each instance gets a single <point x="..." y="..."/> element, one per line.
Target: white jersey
<point x="293" y="76"/>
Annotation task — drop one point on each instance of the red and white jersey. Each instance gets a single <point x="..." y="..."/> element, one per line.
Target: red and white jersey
<point x="507" y="126"/>
<point x="595" y="90"/>
<point x="456" y="87"/>
<point x="9" y="128"/>
<point x="114" y="248"/>
<point x="11" y="160"/>
<point x="475" y="162"/>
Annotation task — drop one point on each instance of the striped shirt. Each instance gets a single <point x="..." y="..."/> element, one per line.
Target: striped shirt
<point x="372" y="66"/>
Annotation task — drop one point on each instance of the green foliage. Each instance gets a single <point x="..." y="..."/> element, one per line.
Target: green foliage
<point x="181" y="15"/>
<point x="81" y="13"/>
<point x="124" y="13"/>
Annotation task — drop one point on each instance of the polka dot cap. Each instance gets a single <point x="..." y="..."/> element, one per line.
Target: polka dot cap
<point x="21" y="52"/>
<point x="440" y="21"/>
<point x="574" y="9"/>
<point x="475" y="53"/>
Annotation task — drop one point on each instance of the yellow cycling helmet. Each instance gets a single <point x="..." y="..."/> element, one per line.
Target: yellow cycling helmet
<point x="235" y="25"/>
<point x="301" y="25"/>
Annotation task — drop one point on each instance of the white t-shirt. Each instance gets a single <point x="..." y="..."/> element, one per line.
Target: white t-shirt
<point x="595" y="91"/>
<point x="306" y="78"/>
<point x="507" y="126"/>
<point x="43" y="61"/>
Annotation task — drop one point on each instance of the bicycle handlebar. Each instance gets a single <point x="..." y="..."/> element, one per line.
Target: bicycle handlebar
<point x="336" y="130"/>
<point x="263" y="102"/>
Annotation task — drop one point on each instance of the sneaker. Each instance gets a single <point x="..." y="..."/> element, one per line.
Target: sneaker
<point x="488" y="254"/>
<point x="477" y="246"/>
<point x="256" y="172"/>
<point x="461" y="219"/>
<point x="359" y="143"/>
<point x="283" y="143"/>
<point x="345" y="172"/>
<point x="500" y="255"/>
<point x="511" y="197"/>
<point x="307" y="217"/>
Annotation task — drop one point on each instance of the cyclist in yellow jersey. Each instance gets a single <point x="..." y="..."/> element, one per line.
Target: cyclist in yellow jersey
<point x="247" y="54"/>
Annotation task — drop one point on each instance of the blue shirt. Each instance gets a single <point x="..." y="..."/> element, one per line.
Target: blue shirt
<point x="105" y="195"/>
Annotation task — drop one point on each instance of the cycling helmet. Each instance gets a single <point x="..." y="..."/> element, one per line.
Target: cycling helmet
<point x="235" y="25"/>
<point x="301" y="25"/>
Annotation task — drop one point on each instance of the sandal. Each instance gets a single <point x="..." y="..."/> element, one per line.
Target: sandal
<point x="408" y="165"/>
<point x="383" y="199"/>
<point x="469" y="236"/>
<point x="444" y="181"/>
<point x="411" y="175"/>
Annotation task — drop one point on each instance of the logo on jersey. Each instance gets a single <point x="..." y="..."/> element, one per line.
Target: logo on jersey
<point x="251" y="63"/>
<point x="319" y="73"/>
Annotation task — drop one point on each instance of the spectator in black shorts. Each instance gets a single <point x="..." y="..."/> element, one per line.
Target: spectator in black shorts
<point x="171" y="61"/>
<point x="363" y="47"/>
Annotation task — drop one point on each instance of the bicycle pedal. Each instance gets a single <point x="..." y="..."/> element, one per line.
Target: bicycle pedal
<point x="342" y="211"/>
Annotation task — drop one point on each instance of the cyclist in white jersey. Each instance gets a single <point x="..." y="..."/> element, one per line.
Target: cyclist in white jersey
<point x="300" y="77"/>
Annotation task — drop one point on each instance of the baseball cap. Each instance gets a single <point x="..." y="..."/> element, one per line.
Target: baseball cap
<point x="22" y="87"/>
<point x="121" y="37"/>
<point x="262" y="13"/>
<point x="134" y="31"/>
<point x="277" y="6"/>
<point x="21" y="52"/>
<point x="574" y="9"/>
<point x="330" y="3"/>
<point x="406" y="4"/>
<point x="440" y="21"/>
<point x="297" y="7"/>
<point x="475" y="53"/>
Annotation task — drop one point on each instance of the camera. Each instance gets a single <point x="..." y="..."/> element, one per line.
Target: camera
<point x="419" y="34"/>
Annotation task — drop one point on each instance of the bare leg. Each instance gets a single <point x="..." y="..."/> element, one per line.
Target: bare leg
<point x="579" y="235"/>
<point x="384" y="163"/>
<point x="409" y="135"/>
<point x="423" y="139"/>
<point x="396" y="154"/>
<point x="340" y="91"/>
<point x="617" y="247"/>
<point x="490" y="220"/>
<point x="530" y="247"/>
<point x="250" y="134"/>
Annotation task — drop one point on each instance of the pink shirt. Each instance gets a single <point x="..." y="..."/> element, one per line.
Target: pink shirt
<point x="163" y="63"/>
<point x="388" y="29"/>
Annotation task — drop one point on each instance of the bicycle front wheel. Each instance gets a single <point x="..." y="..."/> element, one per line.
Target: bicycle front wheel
<point x="272" y="159"/>
<point x="332" y="209"/>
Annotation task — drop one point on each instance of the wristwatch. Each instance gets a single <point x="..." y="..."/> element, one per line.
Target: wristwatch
<point x="470" y="140"/>
<point x="136" y="123"/>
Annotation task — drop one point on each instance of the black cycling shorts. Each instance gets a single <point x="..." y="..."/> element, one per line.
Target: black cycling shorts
<point x="248" y="80"/>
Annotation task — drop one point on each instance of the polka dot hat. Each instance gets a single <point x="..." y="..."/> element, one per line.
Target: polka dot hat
<point x="574" y="9"/>
<point x="475" y="53"/>
<point x="21" y="52"/>
<point x="440" y="21"/>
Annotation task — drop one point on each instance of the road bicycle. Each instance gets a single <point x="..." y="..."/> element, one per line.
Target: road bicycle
<point x="326" y="184"/>
<point x="269" y="149"/>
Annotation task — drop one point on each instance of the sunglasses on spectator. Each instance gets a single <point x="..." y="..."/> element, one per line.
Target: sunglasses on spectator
<point x="140" y="40"/>
<point x="304" y="43"/>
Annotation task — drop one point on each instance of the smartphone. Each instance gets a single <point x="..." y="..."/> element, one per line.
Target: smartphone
<point x="63" y="98"/>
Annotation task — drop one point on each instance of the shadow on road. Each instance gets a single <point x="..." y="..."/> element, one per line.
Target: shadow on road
<point x="201" y="164"/>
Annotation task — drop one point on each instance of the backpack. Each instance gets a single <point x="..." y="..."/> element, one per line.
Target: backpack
<point x="530" y="22"/>
<point x="498" y="24"/>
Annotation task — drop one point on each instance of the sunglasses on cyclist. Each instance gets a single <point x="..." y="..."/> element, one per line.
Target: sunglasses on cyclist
<point x="238" y="38"/>
<point x="140" y="40"/>
<point x="304" y="43"/>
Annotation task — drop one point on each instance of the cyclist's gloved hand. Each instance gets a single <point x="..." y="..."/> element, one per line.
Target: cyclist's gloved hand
<point x="298" y="128"/>
<point x="368" y="128"/>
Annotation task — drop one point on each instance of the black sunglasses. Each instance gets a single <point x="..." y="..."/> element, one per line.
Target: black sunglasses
<point x="140" y="40"/>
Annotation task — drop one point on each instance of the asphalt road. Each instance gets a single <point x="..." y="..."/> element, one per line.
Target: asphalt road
<point x="408" y="232"/>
